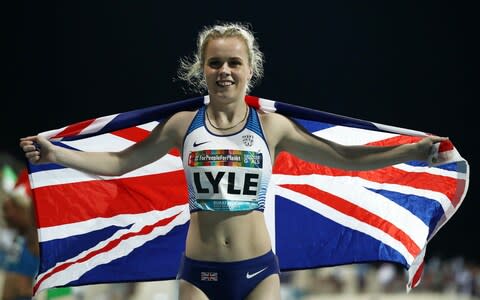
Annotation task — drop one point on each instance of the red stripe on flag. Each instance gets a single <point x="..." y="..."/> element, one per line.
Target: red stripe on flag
<point x="358" y="213"/>
<point x="253" y="101"/>
<point x="403" y="139"/>
<point x="112" y="244"/>
<point x="134" y="134"/>
<point x="174" y="152"/>
<point x="74" y="129"/>
<point x="292" y="165"/>
<point x="418" y="275"/>
<point x="446" y="146"/>
<point x="108" y="198"/>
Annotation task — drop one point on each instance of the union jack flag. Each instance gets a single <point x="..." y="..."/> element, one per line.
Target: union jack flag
<point x="97" y="229"/>
<point x="208" y="276"/>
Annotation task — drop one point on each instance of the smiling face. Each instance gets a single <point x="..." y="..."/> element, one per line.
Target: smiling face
<point x="226" y="68"/>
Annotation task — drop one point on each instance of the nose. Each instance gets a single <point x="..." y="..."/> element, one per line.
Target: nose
<point x="225" y="69"/>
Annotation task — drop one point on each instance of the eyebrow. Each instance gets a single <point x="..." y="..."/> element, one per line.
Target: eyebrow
<point x="229" y="58"/>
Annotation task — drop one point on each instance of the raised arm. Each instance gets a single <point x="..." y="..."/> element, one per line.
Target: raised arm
<point x="165" y="136"/>
<point x="285" y="135"/>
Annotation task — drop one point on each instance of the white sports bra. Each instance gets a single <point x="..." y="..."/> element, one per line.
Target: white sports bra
<point x="226" y="172"/>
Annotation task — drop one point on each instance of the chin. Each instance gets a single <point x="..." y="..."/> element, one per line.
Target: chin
<point x="224" y="95"/>
<point x="228" y="94"/>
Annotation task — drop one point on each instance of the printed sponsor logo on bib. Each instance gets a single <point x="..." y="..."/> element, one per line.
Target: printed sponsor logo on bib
<point x="231" y="158"/>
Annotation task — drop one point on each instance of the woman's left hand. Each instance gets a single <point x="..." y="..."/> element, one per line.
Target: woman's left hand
<point x="428" y="150"/>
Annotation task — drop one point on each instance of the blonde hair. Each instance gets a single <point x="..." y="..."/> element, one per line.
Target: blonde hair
<point x="191" y="69"/>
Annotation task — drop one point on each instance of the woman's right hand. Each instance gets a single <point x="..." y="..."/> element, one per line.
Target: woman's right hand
<point x="37" y="149"/>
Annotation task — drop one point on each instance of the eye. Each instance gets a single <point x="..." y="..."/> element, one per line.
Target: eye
<point x="235" y="63"/>
<point x="214" y="64"/>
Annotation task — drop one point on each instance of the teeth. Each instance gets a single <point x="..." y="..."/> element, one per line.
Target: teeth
<point x="224" y="83"/>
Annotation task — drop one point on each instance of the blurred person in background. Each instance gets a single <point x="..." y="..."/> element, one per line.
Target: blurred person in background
<point x="22" y="259"/>
<point x="9" y="169"/>
<point x="8" y="178"/>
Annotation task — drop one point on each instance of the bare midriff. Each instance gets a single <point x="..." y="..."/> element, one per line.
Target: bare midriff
<point x="227" y="236"/>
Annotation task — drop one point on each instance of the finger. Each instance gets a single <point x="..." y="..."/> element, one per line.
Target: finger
<point x="25" y="143"/>
<point x="34" y="160"/>
<point x="29" y="148"/>
<point x="29" y="138"/>
<point x="433" y="155"/>
<point x="32" y="154"/>
<point x="26" y="146"/>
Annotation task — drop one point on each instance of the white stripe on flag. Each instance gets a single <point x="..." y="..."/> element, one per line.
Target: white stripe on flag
<point x="98" y="124"/>
<point x="352" y="136"/>
<point x="345" y="220"/>
<point x="362" y="197"/>
<point x="104" y="142"/>
<point x="149" y="126"/>
<point x="269" y="213"/>
<point x="429" y="170"/>
<point x="78" y="269"/>
<point x="267" y="105"/>
<point x="67" y="230"/>
<point x="168" y="163"/>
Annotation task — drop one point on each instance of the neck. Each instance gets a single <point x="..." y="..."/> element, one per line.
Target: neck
<point x="226" y="116"/>
<point x="226" y="109"/>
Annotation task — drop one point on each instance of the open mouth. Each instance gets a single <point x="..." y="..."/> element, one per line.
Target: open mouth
<point x="225" y="83"/>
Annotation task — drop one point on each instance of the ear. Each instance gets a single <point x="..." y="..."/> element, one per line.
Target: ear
<point x="250" y="75"/>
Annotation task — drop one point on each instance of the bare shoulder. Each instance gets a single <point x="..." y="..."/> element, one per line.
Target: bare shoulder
<point x="275" y="127"/>
<point x="273" y="122"/>
<point x="174" y="127"/>
<point x="270" y="117"/>
<point x="182" y="117"/>
<point x="180" y="121"/>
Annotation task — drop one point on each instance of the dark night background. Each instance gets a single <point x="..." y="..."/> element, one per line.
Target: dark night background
<point x="408" y="64"/>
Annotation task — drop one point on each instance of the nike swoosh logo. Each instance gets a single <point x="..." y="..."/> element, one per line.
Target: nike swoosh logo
<point x="195" y="144"/>
<point x="255" y="274"/>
